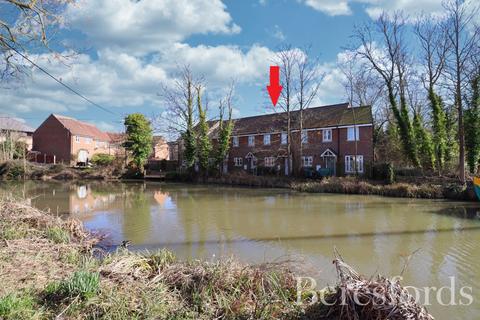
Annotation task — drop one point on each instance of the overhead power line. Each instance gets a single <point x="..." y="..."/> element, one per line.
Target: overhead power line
<point x="60" y="82"/>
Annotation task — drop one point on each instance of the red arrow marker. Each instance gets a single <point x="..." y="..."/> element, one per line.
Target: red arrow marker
<point x="274" y="89"/>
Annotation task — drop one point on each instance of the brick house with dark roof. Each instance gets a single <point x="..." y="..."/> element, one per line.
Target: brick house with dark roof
<point x="69" y="140"/>
<point x="336" y="139"/>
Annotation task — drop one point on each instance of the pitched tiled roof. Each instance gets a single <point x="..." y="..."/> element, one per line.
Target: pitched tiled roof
<point x="7" y="123"/>
<point x="318" y="117"/>
<point x="116" y="137"/>
<point x="82" y="128"/>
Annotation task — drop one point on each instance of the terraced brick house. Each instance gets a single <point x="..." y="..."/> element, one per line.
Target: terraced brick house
<point x="335" y="140"/>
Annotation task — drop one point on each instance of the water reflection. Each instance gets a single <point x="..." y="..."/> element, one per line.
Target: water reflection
<point x="374" y="234"/>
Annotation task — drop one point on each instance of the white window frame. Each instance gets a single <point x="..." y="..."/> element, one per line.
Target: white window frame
<point x="235" y="141"/>
<point x="307" y="161"/>
<point x="283" y="138"/>
<point x="353" y="135"/>
<point x="304" y="136"/>
<point x="238" y="161"/>
<point x="251" y="141"/>
<point x="327" y="135"/>
<point x="77" y="139"/>
<point x="269" y="162"/>
<point x="88" y="140"/>
<point x="266" y="139"/>
<point x="349" y="164"/>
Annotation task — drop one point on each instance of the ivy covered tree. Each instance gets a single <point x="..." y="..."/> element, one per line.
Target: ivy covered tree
<point x="139" y="138"/>
<point x="225" y="129"/>
<point x="392" y="65"/>
<point x="439" y="126"/>
<point x="433" y="42"/>
<point x="204" y="145"/>
<point x="189" y="137"/>
<point x="424" y="142"/>
<point x="472" y="127"/>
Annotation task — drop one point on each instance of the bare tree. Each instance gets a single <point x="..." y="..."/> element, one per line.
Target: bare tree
<point x="180" y="114"/>
<point x="287" y="58"/>
<point x="363" y="88"/>
<point x="463" y="36"/>
<point x="178" y="98"/>
<point x="391" y="62"/>
<point x="307" y="80"/>
<point x="34" y="26"/>
<point x="435" y="45"/>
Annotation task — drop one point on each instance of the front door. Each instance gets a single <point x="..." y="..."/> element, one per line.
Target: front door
<point x="82" y="156"/>
<point x="331" y="163"/>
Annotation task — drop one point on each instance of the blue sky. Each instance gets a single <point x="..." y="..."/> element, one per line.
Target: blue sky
<point x="126" y="50"/>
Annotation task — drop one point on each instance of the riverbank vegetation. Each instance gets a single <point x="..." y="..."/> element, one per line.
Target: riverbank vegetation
<point x="23" y="170"/>
<point x="64" y="276"/>
<point x="441" y="188"/>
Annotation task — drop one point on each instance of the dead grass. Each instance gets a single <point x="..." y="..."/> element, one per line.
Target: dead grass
<point x="351" y="185"/>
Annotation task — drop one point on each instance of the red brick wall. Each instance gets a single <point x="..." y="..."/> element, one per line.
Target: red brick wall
<point x="315" y="147"/>
<point x="52" y="138"/>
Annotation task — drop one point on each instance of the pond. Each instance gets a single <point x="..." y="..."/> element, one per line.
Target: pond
<point x="373" y="234"/>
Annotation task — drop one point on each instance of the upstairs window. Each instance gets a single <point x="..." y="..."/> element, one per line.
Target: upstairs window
<point x="77" y="139"/>
<point x="304" y="136"/>
<point x="327" y="135"/>
<point x="353" y="134"/>
<point x="235" y="142"/>
<point x="284" y="138"/>
<point x="266" y="139"/>
<point x="251" y="141"/>
<point x="88" y="140"/>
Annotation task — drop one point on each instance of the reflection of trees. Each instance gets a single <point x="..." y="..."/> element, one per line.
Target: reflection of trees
<point x="136" y="215"/>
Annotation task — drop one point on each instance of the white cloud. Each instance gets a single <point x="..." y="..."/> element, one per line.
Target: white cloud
<point x="410" y="7"/>
<point x="375" y="7"/>
<point x="148" y="25"/>
<point x="221" y="63"/>
<point x="139" y="45"/>
<point x="330" y="7"/>
<point x="114" y="80"/>
<point x="121" y="80"/>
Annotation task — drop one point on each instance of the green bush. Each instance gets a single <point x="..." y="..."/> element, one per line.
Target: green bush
<point x="384" y="171"/>
<point x="102" y="159"/>
<point x="12" y="169"/>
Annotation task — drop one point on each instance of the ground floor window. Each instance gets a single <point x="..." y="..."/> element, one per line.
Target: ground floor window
<point x="307" y="161"/>
<point x="350" y="164"/>
<point x="269" y="161"/>
<point x="238" y="162"/>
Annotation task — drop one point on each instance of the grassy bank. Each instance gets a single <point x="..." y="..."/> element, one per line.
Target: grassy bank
<point x="352" y="185"/>
<point x="17" y="169"/>
<point x="49" y="268"/>
<point x="402" y="189"/>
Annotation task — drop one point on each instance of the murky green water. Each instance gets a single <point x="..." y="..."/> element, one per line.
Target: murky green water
<point x="374" y="234"/>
